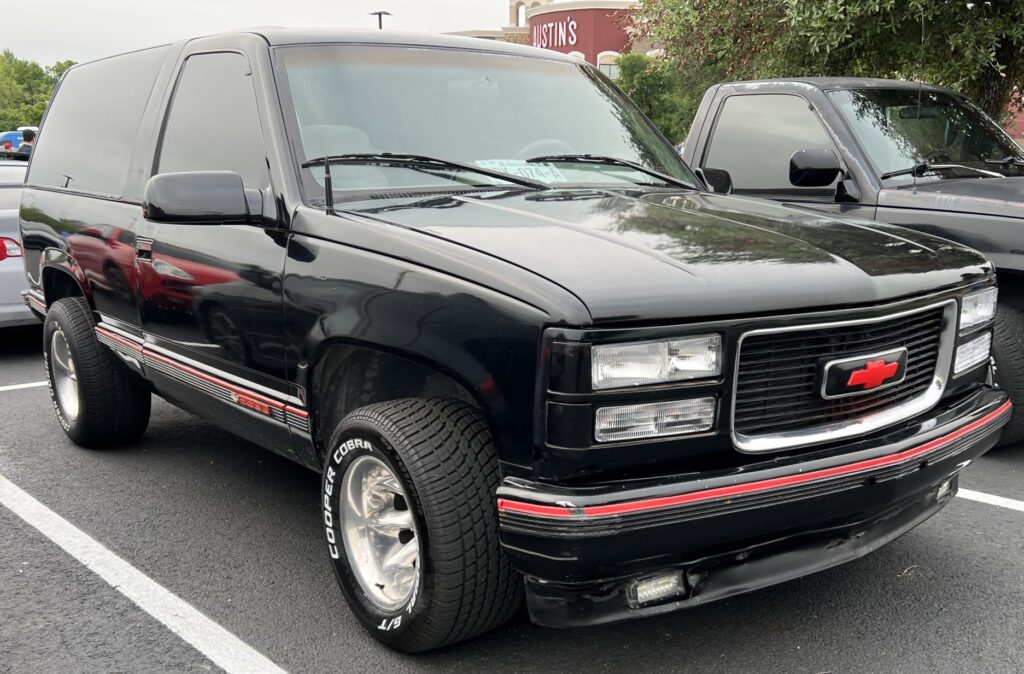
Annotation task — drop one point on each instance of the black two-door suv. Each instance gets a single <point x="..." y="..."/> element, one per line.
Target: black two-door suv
<point x="525" y="347"/>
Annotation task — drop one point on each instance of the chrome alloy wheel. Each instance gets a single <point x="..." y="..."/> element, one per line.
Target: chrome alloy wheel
<point x="379" y="533"/>
<point x="65" y="379"/>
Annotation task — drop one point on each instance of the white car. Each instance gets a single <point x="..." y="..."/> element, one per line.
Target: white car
<point x="13" y="310"/>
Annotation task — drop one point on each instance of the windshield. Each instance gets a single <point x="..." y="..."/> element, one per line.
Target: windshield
<point x="489" y="110"/>
<point x="897" y="133"/>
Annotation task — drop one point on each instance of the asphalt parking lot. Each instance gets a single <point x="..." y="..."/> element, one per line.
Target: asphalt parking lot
<point x="233" y="530"/>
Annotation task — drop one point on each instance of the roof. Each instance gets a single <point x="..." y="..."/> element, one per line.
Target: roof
<point x="295" y="36"/>
<point x="833" y="83"/>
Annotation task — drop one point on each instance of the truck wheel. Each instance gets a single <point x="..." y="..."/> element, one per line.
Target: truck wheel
<point x="411" y="523"/>
<point x="1008" y="349"/>
<point x="98" y="400"/>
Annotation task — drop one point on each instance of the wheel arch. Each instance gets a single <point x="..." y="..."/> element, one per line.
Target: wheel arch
<point x="60" y="280"/>
<point x="345" y="376"/>
<point x="1011" y="286"/>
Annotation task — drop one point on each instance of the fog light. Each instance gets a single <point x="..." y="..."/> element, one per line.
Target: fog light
<point x="973" y="353"/>
<point x="653" y="420"/>
<point x="658" y="587"/>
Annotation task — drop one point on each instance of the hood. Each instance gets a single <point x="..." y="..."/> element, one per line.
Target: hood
<point x="663" y="256"/>
<point x="1002" y="197"/>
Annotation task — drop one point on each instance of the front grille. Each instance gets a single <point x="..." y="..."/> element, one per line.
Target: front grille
<point x="778" y="378"/>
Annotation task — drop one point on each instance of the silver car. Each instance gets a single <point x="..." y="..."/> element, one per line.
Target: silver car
<point x="12" y="270"/>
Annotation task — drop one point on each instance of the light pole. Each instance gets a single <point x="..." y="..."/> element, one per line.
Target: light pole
<point x="380" y="14"/>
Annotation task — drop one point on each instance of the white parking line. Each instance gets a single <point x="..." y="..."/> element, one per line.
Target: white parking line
<point x="222" y="647"/>
<point x="15" y="387"/>
<point x="991" y="499"/>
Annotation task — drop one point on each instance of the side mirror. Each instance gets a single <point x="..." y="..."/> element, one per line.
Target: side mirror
<point x="718" y="180"/>
<point x="818" y="167"/>
<point x="196" y="197"/>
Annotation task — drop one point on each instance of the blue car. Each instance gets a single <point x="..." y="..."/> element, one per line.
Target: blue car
<point x="12" y="137"/>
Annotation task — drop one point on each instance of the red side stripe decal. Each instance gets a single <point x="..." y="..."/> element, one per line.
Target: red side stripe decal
<point x="119" y="339"/>
<point x="202" y="375"/>
<point x="215" y="380"/>
<point x="505" y="505"/>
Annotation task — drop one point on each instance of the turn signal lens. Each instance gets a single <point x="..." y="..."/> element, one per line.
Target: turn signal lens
<point x="973" y="353"/>
<point x="978" y="308"/>
<point x="654" y="420"/>
<point x="9" y="248"/>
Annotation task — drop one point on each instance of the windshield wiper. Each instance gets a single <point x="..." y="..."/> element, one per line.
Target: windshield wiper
<point x="1007" y="161"/>
<point x="609" y="161"/>
<point x="413" y="161"/>
<point x="919" y="170"/>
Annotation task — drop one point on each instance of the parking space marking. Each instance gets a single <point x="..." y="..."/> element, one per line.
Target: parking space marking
<point x="991" y="499"/>
<point x="216" y="643"/>
<point x="15" y="387"/>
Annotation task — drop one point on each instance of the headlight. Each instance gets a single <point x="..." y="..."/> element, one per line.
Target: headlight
<point x="654" y="420"/>
<point x="621" y="365"/>
<point x="978" y="308"/>
<point x="973" y="353"/>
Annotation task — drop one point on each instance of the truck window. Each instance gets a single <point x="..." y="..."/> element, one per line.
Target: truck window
<point x="212" y="124"/>
<point x="756" y="135"/>
<point x="87" y="137"/>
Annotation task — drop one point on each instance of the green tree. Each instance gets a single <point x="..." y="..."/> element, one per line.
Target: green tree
<point x="668" y="95"/>
<point x="25" y="89"/>
<point x="974" y="47"/>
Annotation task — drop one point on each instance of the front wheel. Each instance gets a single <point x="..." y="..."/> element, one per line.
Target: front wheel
<point x="1008" y="350"/>
<point x="411" y="523"/>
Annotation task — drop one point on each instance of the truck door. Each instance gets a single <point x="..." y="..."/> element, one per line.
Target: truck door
<point x="753" y="138"/>
<point x="211" y="293"/>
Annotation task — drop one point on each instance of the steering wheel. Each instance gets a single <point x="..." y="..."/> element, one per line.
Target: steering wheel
<point x="936" y="157"/>
<point x="545" y="146"/>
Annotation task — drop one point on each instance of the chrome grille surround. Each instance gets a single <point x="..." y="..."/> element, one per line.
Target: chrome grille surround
<point x="872" y="421"/>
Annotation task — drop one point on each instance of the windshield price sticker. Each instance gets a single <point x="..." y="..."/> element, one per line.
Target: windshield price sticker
<point x="517" y="167"/>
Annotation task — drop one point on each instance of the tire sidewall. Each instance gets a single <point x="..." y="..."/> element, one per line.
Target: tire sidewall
<point x="348" y="444"/>
<point x="54" y="319"/>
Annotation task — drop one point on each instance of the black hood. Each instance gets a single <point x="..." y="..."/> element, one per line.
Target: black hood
<point x="659" y="255"/>
<point x="984" y="196"/>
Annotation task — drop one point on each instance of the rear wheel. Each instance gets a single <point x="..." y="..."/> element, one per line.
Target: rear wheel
<point x="411" y="523"/>
<point x="99" y="402"/>
<point x="1008" y="350"/>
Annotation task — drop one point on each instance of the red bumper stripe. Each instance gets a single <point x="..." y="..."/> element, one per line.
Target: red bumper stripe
<point x="505" y="505"/>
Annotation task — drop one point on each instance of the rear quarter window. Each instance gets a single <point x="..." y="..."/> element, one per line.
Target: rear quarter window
<point x="85" y="144"/>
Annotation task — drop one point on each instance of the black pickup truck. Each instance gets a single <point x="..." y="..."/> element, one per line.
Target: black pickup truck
<point x="473" y="287"/>
<point x="905" y="153"/>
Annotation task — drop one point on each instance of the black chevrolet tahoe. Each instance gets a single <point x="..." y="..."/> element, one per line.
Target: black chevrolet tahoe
<point x="906" y="153"/>
<point x="528" y="351"/>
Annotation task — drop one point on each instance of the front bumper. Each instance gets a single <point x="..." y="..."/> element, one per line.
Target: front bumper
<point x="581" y="550"/>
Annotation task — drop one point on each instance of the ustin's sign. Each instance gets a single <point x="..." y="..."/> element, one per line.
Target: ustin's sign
<point x="560" y="33"/>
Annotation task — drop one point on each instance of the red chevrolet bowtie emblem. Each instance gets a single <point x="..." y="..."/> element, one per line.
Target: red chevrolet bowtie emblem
<point x="874" y="374"/>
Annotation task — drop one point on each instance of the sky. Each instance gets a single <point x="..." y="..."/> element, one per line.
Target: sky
<point x="48" y="31"/>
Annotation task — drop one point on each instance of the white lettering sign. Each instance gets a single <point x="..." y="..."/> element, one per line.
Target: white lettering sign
<point x="561" y="33"/>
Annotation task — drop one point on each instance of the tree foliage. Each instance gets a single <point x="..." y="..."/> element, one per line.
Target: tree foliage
<point x="668" y="95"/>
<point x="25" y="88"/>
<point x="974" y="47"/>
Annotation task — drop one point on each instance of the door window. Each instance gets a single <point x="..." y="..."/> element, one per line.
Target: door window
<point x="755" y="137"/>
<point x="212" y="124"/>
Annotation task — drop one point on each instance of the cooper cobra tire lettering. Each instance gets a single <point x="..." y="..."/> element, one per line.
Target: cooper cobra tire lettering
<point x="442" y="454"/>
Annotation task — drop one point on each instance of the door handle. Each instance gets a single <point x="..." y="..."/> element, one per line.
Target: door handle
<point x="144" y="248"/>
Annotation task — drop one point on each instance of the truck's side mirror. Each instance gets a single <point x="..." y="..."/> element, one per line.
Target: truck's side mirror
<point x="196" y="197"/>
<point x="718" y="180"/>
<point x="817" y="167"/>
